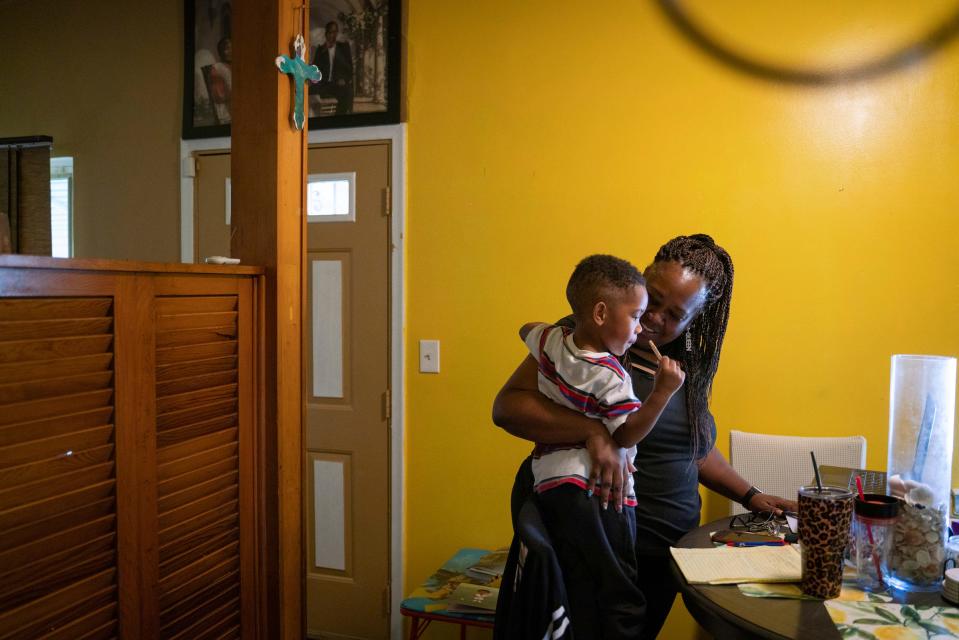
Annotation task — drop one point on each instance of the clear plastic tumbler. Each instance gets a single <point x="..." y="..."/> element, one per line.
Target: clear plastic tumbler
<point x="873" y="525"/>
<point x="922" y="405"/>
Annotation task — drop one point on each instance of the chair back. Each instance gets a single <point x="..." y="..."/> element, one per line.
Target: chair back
<point x="781" y="464"/>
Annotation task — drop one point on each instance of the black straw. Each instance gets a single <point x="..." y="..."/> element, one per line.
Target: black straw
<point x="815" y="467"/>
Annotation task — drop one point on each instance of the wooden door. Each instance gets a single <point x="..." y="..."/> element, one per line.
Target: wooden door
<point x="61" y="543"/>
<point x="346" y="391"/>
<point x="204" y="433"/>
<point x="211" y="226"/>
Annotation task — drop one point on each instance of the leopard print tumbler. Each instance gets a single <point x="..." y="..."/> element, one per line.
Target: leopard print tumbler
<point x="824" y="524"/>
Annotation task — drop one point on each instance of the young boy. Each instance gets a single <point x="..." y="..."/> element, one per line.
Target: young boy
<point x="580" y="369"/>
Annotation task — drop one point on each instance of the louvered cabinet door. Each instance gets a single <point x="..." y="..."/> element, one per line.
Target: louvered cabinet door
<point x="58" y="477"/>
<point x="203" y="412"/>
<point x="127" y="505"/>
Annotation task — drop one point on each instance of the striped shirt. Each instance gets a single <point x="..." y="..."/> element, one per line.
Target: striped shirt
<point x="593" y="383"/>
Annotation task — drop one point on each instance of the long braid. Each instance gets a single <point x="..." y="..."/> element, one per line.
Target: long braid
<point x="701" y="255"/>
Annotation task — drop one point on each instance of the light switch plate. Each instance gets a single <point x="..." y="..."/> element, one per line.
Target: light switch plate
<point x="429" y="356"/>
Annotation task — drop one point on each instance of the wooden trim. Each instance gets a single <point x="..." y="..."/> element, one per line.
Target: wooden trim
<point x="33" y="281"/>
<point x="136" y="458"/>
<point x="214" y="284"/>
<point x="97" y="264"/>
<point x="247" y="455"/>
<point x="269" y="176"/>
<point x="265" y="472"/>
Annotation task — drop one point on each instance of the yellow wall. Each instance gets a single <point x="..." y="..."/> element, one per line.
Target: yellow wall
<point x="102" y="78"/>
<point x="540" y="132"/>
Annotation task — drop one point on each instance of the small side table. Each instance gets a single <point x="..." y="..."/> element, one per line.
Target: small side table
<point x="420" y="620"/>
<point x="428" y="601"/>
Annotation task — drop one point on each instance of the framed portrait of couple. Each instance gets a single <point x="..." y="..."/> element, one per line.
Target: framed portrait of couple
<point x="354" y="43"/>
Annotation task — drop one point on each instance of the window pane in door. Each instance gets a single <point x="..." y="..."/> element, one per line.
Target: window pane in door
<point x="330" y="197"/>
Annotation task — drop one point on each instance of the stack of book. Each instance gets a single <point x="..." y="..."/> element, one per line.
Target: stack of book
<point x="489" y="568"/>
<point x="474" y="599"/>
<point x="467" y="585"/>
<point x="478" y="596"/>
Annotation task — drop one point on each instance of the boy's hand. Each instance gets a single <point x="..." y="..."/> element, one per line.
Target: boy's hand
<point x="669" y="377"/>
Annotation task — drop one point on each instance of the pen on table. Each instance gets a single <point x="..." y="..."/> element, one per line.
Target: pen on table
<point x="780" y="543"/>
<point x="652" y="345"/>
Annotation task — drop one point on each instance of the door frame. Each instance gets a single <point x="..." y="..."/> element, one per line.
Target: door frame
<point x="396" y="134"/>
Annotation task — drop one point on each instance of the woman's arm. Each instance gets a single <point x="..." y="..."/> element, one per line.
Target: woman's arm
<point x="717" y="474"/>
<point x="521" y="410"/>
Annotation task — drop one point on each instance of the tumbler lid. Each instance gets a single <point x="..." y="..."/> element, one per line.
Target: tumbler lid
<point x="877" y="505"/>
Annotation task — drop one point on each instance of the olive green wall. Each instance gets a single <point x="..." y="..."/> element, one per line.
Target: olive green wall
<point x="103" y="79"/>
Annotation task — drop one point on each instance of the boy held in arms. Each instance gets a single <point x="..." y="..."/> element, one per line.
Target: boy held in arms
<point x="580" y="369"/>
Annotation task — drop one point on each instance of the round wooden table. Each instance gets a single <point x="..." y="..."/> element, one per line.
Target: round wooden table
<point x="725" y="613"/>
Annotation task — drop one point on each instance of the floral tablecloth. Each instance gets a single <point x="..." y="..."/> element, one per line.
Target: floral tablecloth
<point x="889" y="621"/>
<point x="873" y="616"/>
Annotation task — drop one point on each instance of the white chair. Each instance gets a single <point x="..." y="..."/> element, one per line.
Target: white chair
<point x="781" y="464"/>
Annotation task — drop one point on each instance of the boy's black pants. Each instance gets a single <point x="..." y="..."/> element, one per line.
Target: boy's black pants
<point x="596" y="549"/>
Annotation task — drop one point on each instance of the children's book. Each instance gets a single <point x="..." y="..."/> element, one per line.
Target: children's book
<point x="490" y="567"/>
<point x="474" y="598"/>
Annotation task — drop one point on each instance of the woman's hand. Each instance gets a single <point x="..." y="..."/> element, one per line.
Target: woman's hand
<point x="609" y="471"/>
<point x="768" y="502"/>
<point x="521" y="410"/>
<point x="717" y="474"/>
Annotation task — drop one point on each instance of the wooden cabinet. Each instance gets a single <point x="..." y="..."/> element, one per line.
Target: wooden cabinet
<point x="128" y="443"/>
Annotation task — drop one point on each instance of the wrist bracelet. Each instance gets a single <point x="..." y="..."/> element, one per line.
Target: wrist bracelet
<point x="748" y="496"/>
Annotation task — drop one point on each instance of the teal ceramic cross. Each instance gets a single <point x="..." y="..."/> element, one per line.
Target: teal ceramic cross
<point x="299" y="72"/>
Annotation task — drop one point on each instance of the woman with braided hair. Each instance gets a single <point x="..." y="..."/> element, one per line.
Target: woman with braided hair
<point x="690" y="285"/>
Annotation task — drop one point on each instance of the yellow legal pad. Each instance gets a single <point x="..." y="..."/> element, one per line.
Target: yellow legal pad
<point x="732" y="565"/>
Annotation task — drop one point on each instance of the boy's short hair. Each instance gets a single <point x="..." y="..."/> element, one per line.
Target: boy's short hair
<point x="598" y="276"/>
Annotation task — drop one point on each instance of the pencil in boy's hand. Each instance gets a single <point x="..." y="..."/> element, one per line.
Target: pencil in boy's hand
<point x="652" y="345"/>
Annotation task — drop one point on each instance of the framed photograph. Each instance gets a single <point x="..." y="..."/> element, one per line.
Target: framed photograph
<point x="207" y="74"/>
<point x="356" y="46"/>
<point x="354" y="43"/>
